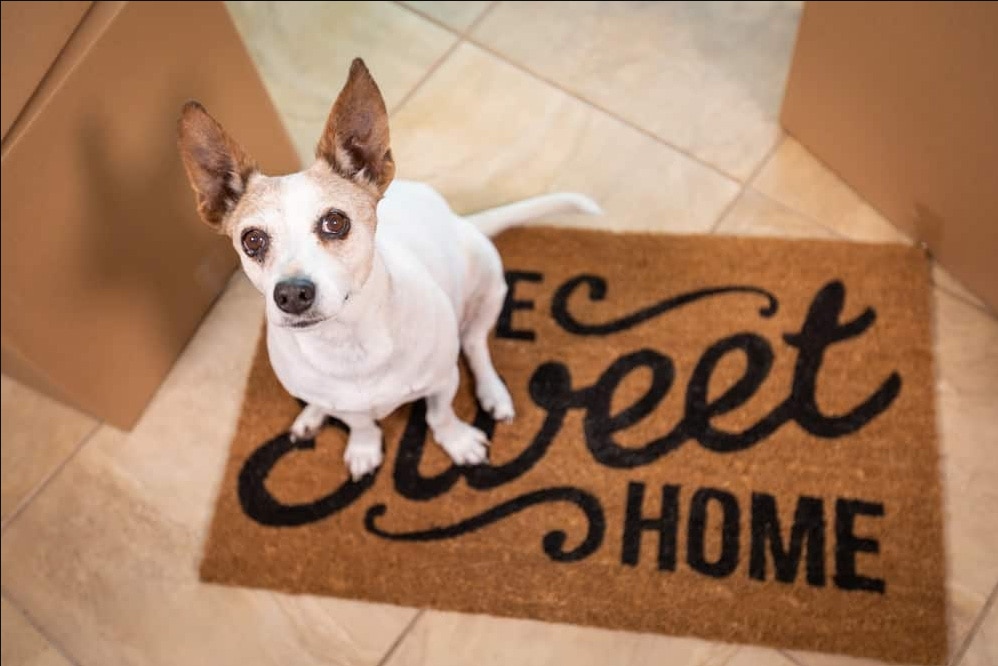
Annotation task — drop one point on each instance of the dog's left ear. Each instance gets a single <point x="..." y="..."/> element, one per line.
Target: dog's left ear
<point x="355" y="140"/>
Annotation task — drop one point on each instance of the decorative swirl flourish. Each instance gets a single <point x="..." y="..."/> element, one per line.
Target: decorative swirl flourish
<point x="553" y="542"/>
<point x="264" y="508"/>
<point x="597" y="292"/>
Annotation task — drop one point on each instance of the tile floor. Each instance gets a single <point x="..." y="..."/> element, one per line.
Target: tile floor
<point x="667" y="114"/>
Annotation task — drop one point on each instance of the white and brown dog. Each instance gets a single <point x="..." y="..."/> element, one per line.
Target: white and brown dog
<point x="373" y="287"/>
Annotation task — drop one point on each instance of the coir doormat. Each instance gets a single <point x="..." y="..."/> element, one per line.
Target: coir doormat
<point x="730" y="438"/>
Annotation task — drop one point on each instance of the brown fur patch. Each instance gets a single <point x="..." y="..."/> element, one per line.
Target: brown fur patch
<point x="344" y="192"/>
<point x="217" y="168"/>
<point x="259" y="192"/>
<point x="355" y="141"/>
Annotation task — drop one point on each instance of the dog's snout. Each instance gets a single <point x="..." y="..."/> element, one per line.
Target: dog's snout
<point x="294" y="296"/>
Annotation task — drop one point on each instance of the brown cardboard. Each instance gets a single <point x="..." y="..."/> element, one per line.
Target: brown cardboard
<point x="27" y="54"/>
<point x="106" y="269"/>
<point x="900" y="99"/>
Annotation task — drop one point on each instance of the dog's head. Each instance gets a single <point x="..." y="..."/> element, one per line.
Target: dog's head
<point x="306" y="240"/>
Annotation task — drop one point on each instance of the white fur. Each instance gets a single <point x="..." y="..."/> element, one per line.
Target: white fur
<point x="435" y="286"/>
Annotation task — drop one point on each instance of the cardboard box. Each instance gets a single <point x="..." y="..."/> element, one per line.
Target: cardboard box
<point x="28" y="54"/>
<point x="900" y="99"/>
<point x="106" y="269"/>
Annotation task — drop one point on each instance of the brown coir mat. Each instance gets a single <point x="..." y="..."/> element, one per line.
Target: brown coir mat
<point x="729" y="438"/>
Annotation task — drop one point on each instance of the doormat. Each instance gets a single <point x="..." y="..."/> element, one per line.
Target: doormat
<point x="729" y="438"/>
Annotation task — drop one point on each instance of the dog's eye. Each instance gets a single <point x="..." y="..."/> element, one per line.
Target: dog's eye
<point x="334" y="224"/>
<point x="254" y="242"/>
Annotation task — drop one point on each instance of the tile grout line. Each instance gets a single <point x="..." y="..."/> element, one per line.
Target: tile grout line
<point x="744" y="185"/>
<point x="975" y="628"/>
<point x="425" y="77"/>
<point x="467" y="38"/>
<point x="815" y="221"/>
<point x="607" y="112"/>
<point x="789" y="657"/>
<point x="38" y="628"/>
<point x="963" y="299"/>
<point x="440" y="24"/>
<point x="461" y="38"/>
<point x="393" y="648"/>
<point x="478" y="19"/>
<point x="839" y="235"/>
<point x="37" y="490"/>
<point x="728" y="207"/>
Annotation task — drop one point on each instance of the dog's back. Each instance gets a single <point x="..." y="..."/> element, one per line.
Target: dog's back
<point x="456" y="250"/>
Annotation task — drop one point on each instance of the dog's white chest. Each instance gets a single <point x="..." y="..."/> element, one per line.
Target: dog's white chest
<point x="357" y="377"/>
<point x="377" y="369"/>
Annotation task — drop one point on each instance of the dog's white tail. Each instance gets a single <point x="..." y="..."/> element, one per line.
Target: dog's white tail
<point x="494" y="221"/>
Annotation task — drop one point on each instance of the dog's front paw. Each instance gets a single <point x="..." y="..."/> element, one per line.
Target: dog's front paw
<point x="362" y="457"/>
<point x="464" y="444"/>
<point x="308" y="424"/>
<point x="495" y="399"/>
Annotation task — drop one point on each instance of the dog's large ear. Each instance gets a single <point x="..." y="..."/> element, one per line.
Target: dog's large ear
<point x="355" y="141"/>
<point x="218" y="169"/>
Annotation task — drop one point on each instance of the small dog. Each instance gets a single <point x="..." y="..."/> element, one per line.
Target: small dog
<point x="373" y="287"/>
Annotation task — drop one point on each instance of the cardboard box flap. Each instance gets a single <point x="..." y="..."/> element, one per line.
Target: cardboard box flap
<point x="31" y="36"/>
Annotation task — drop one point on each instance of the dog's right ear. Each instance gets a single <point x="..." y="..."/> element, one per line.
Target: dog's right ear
<point x="217" y="168"/>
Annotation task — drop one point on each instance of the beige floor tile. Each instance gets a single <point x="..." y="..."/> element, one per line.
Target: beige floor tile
<point x="983" y="649"/>
<point x="967" y="356"/>
<point x="303" y="51"/>
<point x="756" y="215"/>
<point x="757" y="656"/>
<point x="36" y="436"/>
<point x="106" y="559"/>
<point x="21" y="644"/>
<point x="816" y="659"/>
<point x="484" y="133"/>
<point x="440" y="639"/>
<point x="707" y="77"/>
<point x="456" y="15"/>
<point x="944" y="279"/>
<point x="795" y="178"/>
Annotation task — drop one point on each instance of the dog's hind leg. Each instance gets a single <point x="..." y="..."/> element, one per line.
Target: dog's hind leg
<point x="465" y="444"/>
<point x="489" y="387"/>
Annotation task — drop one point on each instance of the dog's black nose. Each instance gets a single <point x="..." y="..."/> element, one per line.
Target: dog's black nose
<point x="294" y="296"/>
